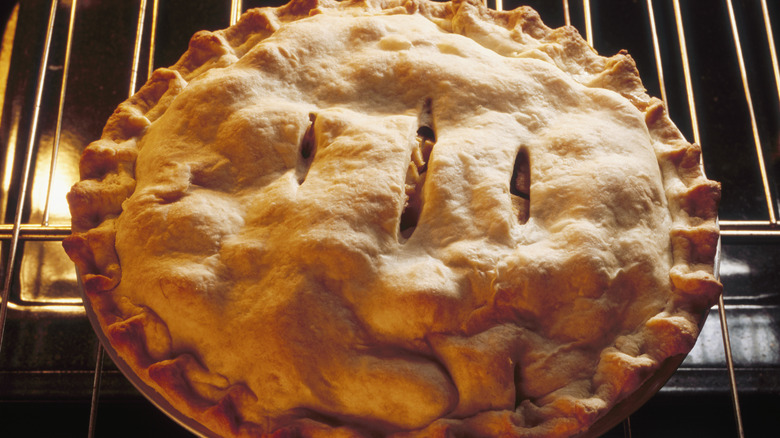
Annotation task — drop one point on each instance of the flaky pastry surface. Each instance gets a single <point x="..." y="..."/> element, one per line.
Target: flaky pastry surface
<point x="401" y="218"/>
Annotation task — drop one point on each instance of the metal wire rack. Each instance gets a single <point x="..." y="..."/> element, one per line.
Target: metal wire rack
<point x="665" y="38"/>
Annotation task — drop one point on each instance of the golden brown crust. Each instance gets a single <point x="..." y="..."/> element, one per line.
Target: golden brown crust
<point x="482" y="345"/>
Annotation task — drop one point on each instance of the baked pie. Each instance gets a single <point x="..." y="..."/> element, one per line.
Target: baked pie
<point x="394" y="218"/>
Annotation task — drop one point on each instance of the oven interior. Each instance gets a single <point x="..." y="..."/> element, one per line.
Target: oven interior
<point x="65" y="65"/>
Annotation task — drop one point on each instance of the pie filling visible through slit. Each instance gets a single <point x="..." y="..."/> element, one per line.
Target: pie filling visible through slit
<point x="394" y="218"/>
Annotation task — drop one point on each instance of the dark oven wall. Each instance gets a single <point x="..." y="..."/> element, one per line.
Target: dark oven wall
<point x="48" y="350"/>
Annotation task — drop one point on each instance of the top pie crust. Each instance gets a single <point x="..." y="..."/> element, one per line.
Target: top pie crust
<point x="238" y="226"/>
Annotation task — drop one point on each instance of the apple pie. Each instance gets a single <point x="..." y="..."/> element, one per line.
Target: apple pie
<point x="396" y="218"/>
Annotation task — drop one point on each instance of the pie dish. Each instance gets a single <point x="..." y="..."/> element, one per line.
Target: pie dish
<point x="394" y="218"/>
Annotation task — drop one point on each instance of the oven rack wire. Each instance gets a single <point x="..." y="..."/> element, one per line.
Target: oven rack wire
<point x="15" y="234"/>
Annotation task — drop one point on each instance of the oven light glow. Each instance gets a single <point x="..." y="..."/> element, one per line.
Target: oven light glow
<point x="733" y="267"/>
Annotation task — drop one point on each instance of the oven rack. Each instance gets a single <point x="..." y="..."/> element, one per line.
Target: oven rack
<point x="669" y="24"/>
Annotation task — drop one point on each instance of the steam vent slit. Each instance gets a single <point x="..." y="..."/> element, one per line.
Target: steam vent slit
<point x="520" y="186"/>
<point x="415" y="173"/>
<point x="308" y="148"/>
